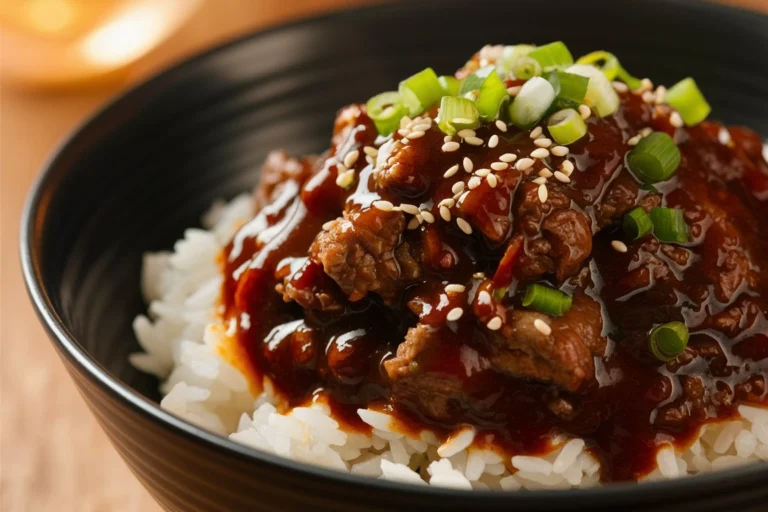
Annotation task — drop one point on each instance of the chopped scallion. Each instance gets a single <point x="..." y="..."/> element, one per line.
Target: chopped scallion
<point x="667" y="341"/>
<point x="552" y="55"/>
<point x="669" y="225"/>
<point x="604" y="61"/>
<point x="686" y="97"/>
<point x="566" y="126"/>
<point x="491" y="92"/>
<point x="531" y="103"/>
<point x="510" y="54"/>
<point x="546" y="300"/>
<point x="420" y="91"/>
<point x="637" y="224"/>
<point x="385" y="110"/>
<point x="655" y="158"/>
<point x="600" y="93"/>
<point x="525" y="68"/>
<point x="450" y="84"/>
<point x="570" y="88"/>
<point x="456" y="114"/>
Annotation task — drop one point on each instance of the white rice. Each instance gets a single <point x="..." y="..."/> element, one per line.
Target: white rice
<point x="186" y="345"/>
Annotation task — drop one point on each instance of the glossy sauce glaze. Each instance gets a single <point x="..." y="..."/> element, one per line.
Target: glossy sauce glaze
<point x="717" y="284"/>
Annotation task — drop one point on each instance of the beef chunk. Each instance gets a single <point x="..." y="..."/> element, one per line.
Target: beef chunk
<point x="279" y="171"/>
<point x="304" y="282"/>
<point x="564" y="357"/>
<point x="402" y="170"/>
<point x="360" y="252"/>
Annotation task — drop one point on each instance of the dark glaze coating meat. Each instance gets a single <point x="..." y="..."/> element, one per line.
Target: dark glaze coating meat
<point x="348" y="297"/>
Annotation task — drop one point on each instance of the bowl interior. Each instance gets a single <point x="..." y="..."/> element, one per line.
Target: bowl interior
<point x="145" y="168"/>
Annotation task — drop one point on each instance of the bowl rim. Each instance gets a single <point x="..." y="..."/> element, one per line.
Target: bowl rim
<point x="34" y="211"/>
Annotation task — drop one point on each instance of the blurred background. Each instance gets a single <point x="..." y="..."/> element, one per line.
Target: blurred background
<point x="60" y="60"/>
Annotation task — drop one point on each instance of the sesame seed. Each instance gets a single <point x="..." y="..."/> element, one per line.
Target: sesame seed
<point x="482" y="172"/>
<point x="468" y="166"/>
<point x="540" y="180"/>
<point x="649" y="97"/>
<point x="634" y="140"/>
<point x="427" y="216"/>
<point x="543" y="142"/>
<point x="464" y="225"/>
<point x="474" y="182"/>
<point x="545" y="173"/>
<point x="413" y="223"/>
<point x="646" y="131"/>
<point x="499" y="166"/>
<point x="494" y="323"/>
<point x="492" y="180"/>
<point x="619" y="246"/>
<point x="479" y="275"/>
<point x="536" y="132"/>
<point x="474" y="141"/>
<point x="559" y="176"/>
<point x="404" y="132"/>
<point x="585" y="112"/>
<point x="458" y="187"/>
<point x="646" y="84"/>
<point x="508" y="157"/>
<point x="542" y="327"/>
<point x="450" y="147"/>
<point x="351" y="158"/>
<point x="341" y="168"/>
<point x="419" y="218"/>
<point x="466" y="133"/>
<point x="523" y="164"/>
<point x="445" y="213"/>
<point x="447" y="138"/>
<point x="410" y="208"/>
<point x="451" y="171"/>
<point x="543" y="193"/>
<point x="567" y="167"/>
<point x="501" y="125"/>
<point x="493" y="141"/>
<point x="454" y="288"/>
<point x="345" y="179"/>
<point x="448" y="202"/>
<point x="559" y="150"/>
<point x="620" y="87"/>
<point x="675" y="120"/>
<point x="514" y="90"/>
<point x="454" y="314"/>
<point x="370" y="151"/>
<point x="462" y="196"/>
<point x="415" y="135"/>
<point x="540" y="153"/>
<point x="384" y="206"/>
<point x="661" y="94"/>
<point x="405" y="121"/>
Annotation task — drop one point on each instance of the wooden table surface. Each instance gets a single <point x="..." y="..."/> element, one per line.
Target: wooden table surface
<point x="54" y="457"/>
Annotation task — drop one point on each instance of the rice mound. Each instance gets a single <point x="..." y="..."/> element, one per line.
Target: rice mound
<point x="182" y="338"/>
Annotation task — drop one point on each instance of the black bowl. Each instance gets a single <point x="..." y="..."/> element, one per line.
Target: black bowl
<point x="145" y="167"/>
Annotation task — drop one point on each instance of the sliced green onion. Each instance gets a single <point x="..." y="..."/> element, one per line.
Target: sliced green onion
<point x="385" y="110"/>
<point x="566" y="126"/>
<point x="686" y="97"/>
<point x="632" y="82"/>
<point x="667" y="341"/>
<point x="546" y="300"/>
<point x="600" y="93"/>
<point x="510" y="54"/>
<point x="637" y="224"/>
<point x="531" y="103"/>
<point x="420" y="91"/>
<point x="570" y="88"/>
<point x="450" y="85"/>
<point x="655" y="158"/>
<point x="669" y="225"/>
<point x="491" y="92"/>
<point x="525" y="68"/>
<point x="604" y="61"/>
<point x="552" y="55"/>
<point x="456" y="114"/>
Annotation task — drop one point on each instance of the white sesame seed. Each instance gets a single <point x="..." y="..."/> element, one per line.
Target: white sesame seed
<point x="445" y="213"/>
<point x="646" y="131"/>
<point x="458" y="187"/>
<point x="341" y="168"/>
<point x="482" y="172"/>
<point x="415" y="135"/>
<point x="474" y="141"/>
<point x="499" y="166"/>
<point x="479" y="275"/>
<point x="514" y="90"/>
<point x="523" y="164"/>
<point x="427" y="216"/>
<point x="559" y="176"/>
<point x="404" y="132"/>
<point x="619" y="246"/>
<point x="369" y="160"/>
<point x="542" y="327"/>
<point x="536" y="132"/>
<point x="493" y="141"/>
<point x="466" y="133"/>
<point x="661" y="94"/>
<point x="559" y="150"/>
<point x="448" y="202"/>
<point x="450" y="147"/>
<point x="468" y="166"/>
<point x="462" y="196"/>
<point x="649" y="97"/>
<point x="464" y="225"/>
<point x="585" y="112"/>
<point x="543" y="193"/>
<point x="508" y="157"/>
<point x="543" y="142"/>
<point x="409" y="208"/>
<point x="419" y="218"/>
<point x="567" y="167"/>
<point x="454" y="314"/>
<point x="494" y="323"/>
<point x="345" y="179"/>
<point x="474" y="182"/>
<point x="540" y="153"/>
<point x="413" y="223"/>
<point x="451" y="171"/>
<point x="384" y="206"/>
<point x="540" y="180"/>
<point x="492" y="180"/>
<point x="634" y="140"/>
<point x="545" y="173"/>
<point x="620" y="87"/>
<point x="646" y="84"/>
<point x="676" y="120"/>
<point x="370" y="151"/>
<point x="447" y="138"/>
<point x="405" y="121"/>
<point x="454" y="288"/>
<point x="501" y="125"/>
<point x="351" y="158"/>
